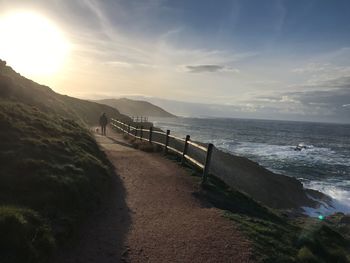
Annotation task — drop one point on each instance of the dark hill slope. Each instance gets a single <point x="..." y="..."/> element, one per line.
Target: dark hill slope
<point x="52" y="173"/>
<point x="15" y="87"/>
<point x="136" y="107"/>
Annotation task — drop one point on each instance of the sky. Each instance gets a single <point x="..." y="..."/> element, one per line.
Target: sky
<point x="285" y="59"/>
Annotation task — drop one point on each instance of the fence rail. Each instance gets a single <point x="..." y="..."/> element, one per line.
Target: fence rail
<point x="139" y="133"/>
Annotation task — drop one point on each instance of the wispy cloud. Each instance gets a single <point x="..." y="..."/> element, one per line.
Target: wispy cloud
<point x="312" y="68"/>
<point x="178" y="50"/>
<point x="129" y="65"/>
<point x="120" y="64"/>
<point x="324" y="74"/>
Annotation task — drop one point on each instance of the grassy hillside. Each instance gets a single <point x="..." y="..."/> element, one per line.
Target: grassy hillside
<point x="136" y="107"/>
<point x="52" y="174"/>
<point x="15" y="87"/>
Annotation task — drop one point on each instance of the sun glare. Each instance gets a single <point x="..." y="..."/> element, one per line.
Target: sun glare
<point x="32" y="44"/>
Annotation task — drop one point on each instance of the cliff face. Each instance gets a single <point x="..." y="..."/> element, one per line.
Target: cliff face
<point x="136" y="108"/>
<point x="14" y="87"/>
<point x="274" y="190"/>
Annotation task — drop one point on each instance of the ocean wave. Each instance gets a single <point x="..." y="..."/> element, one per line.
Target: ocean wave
<point x="324" y="163"/>
<point x="334" y="189"/>
<point x="312" y="155"/>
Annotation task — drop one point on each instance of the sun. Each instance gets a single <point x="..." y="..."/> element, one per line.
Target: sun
<point x="32" y="44"/>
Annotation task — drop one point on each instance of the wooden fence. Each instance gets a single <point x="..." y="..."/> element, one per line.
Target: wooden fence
<point x="139" y="119"/>
<point x="149" y="135"/>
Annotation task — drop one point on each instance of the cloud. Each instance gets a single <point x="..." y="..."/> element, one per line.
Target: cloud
<point x="321" y="104"/>
<point x="341" y="82"/>
<point x="324" y="74"/>
<point x="331" y="99"/>
<point x="326" y="101"/>
<point x="120" y="64"/>
<point x="335" y="98"/>
<point x="312" y="68"/>
<point x="204" y="68"/>
<point x="209" y="68"/>
<point x="128" y="65"/>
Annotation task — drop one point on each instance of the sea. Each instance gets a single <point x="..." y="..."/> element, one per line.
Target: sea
<point x="322" y="164"/>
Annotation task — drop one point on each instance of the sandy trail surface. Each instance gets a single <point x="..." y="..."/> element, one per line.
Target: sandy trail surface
<point x="154" y="216"/>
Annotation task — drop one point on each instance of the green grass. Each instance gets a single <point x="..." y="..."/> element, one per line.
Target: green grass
<point x="52" y="175"/>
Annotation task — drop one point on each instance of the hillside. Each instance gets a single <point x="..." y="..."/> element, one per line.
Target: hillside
<point x="15" y="87"/>
<point x="136" y="107"/>
<point x="52" y="173"/>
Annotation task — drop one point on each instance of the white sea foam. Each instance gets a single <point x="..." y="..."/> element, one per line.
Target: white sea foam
<point x="311" y="155"/>
<point x="334" y="189"/>
<point x="337" y="189"/>
<point x="325" y="165"/>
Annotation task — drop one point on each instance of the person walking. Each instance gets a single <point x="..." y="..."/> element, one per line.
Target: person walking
<point x="103" y="123"/>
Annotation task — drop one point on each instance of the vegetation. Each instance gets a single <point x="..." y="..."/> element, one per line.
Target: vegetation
<point x="52" y="174"/>
<point x="277" y="238"/>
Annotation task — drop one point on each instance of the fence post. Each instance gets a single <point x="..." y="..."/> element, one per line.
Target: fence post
<point x="129" y="128"/>
<point x="166" y="141"/>
<point x="141" y="133"/>
<point x="207" y="163"/>
<point x="183" y="159"/>
<point x="150" y="134"/>
<point x="136" y="131"/>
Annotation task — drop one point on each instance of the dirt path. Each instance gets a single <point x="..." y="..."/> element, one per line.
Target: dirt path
<point x="161" y="220"/>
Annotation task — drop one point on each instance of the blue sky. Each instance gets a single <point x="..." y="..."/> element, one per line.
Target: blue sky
<point x="285" y="58"/>
<point x="309" y="26"/>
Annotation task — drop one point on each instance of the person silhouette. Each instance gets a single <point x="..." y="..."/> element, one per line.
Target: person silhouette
<point x="103" y="123"/>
